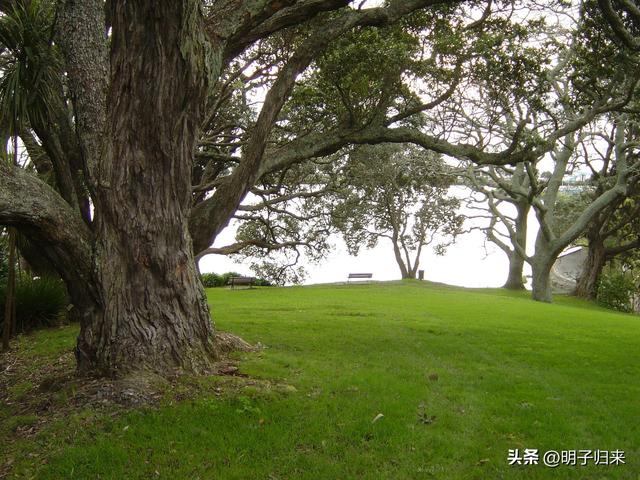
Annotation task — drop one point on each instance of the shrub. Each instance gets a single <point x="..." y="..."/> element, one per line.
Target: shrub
<point x="616" y="290"/>
<point x="39" y="302"/>
<point x="210" y="280"/>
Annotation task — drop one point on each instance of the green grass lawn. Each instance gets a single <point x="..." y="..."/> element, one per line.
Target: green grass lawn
<point x="460" y="376"/>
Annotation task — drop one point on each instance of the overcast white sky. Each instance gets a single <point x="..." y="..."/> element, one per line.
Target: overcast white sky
<point x="467" y="263"/>
<point x="470" y="262"/>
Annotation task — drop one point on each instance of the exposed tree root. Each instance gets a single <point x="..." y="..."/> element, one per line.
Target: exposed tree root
<point x="228" y="342"/>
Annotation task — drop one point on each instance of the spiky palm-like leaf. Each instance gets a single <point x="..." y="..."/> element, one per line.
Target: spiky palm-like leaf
<point x="30" y="64"/>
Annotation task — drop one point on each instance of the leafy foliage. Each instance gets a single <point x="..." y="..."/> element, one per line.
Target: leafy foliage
<point x="593" y="76"/>
<point x="212" y="280"/>
<point x="30" y="63"/>
<point x="279" y="272"/>
<point x="371" y="70"/>
<point x="569" y="205"/>
<point x="616" y="290"/>
<point x="399" y="193"/>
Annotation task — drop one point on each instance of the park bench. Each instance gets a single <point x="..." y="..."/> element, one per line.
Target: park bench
<point x="241" y="281"/>
<point x="359" y="276"/>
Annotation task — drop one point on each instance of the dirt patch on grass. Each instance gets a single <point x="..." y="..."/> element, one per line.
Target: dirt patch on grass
<point x="41" y="386"/>
<point x="38" y="389"/>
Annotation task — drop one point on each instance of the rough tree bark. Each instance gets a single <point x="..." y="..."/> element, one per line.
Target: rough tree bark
<point x="587" y="285"/>
<point x="153" y="313"/>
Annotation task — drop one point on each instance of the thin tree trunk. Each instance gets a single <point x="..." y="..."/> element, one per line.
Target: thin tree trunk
<point x="515" y="279"/>
<point x="541" y="265"/>
<point x="413" y="271"/>
<point x="516" y="272"/>
<point x="404" y="272"/>
<point x="10" y="293"/>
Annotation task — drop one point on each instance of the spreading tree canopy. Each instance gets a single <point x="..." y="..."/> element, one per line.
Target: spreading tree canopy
<point x="399" y="194"/>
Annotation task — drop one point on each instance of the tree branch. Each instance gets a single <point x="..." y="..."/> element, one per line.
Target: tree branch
<point x="39" y="212"/>
<point x="84" y="41"/>
<point x="239" y="246"/>
<point x="212" y="215"/>
<point x="274" y="18"/>
<point x="617" y="25"/>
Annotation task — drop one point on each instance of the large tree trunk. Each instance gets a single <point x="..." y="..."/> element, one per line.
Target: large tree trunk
<point x="153" y="313"/>
<point x="515" y="279"/>
<point x="541" y="264"/>
<point x="516" y="272"/>
<point x="541" y="282"/>
<point x="154" y="316"/>
<point x="587" y="286"/>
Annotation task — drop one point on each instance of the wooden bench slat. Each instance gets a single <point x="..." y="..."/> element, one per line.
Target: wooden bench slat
<point x="360" y="275"/>
<point x="233" y="281"/>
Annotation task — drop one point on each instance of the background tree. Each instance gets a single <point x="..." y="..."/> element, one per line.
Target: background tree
<point x="506" y="228"/>
<point x="286" y="219"/>
<point x="398" y="193"/>
<point x="613" y="235"/>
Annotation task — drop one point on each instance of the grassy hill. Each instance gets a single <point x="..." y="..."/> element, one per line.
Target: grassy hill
<point x="460" y="377"/>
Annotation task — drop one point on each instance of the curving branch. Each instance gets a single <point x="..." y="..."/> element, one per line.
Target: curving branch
<point x="239" y="246"/>
<point x="617" y="25"/>
<point x="258" y="23"/>
<point x="212" y="215"/>
<point x="39" y="212"/>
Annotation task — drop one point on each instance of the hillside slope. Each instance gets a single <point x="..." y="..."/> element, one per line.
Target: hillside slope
<point x="459" y="376"/>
